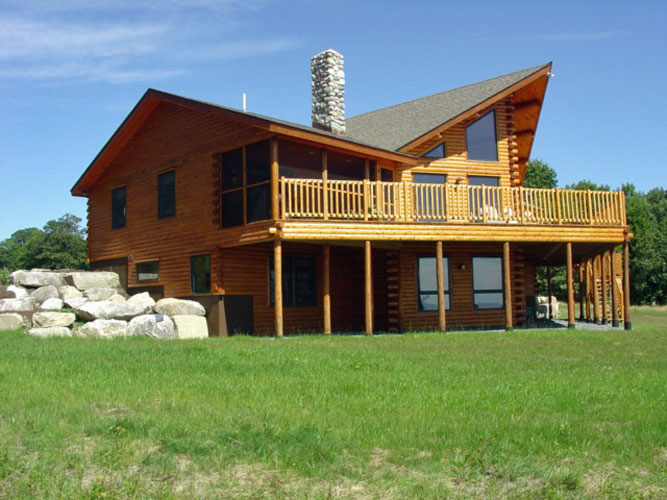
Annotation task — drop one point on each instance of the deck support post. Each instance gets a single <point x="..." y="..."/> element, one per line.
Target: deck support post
<point x="326" y="288"/>
<point x="582" y="292"/>
<point x="570" y="286"/>
<point x="368" y="288"/>
<point x="278" y="285"/>
<point x="615" y="321"/>
<point x="603" y="286"/>
<point x="626" y="286"/>
<point x="440" y="276"/>
<point x="596" y="290"/>
<point x="549" y="311"/>
<point x="588" y="291"/>
<point x="508" y="288"/>
<point x="275" y="204"/>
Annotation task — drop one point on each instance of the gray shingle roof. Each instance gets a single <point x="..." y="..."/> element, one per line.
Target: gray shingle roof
<point x="394" y="127"/>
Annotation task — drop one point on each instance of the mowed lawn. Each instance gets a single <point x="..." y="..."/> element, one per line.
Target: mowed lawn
<point x="524" y="414"/>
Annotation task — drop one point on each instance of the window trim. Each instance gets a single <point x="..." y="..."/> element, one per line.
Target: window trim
<point x="136" y="270"/>
<point x="159" y="211"/>
<point x="113" y="219"/>
<point x="192" y="274"/>
<point x="502" y="282"/>
<point x="448" y="290"/>
<point x="293" y="257"/>
<point x="495" y="134"/>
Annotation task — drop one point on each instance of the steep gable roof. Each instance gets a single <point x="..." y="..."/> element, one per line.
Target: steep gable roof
<point x="396" y="126"/>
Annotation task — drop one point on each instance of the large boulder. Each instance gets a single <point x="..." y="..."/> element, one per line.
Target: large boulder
<point x="28" y="304"/>
<point x="116" y="297"/>
<point x="99" y="293"/>
<point x="187" y="326"/>
<point x="175" y="307"/>
<point x="111" y="310"/>
<point x="11" y="321"/>
<point x="69" y="292"/>
<point x="142" y="299"/>
<point x="97" y="279"/>
<point x="46" y="318"/>
<point x="37" y="278"/>
<point x="18" y="291"/>
<point x="45" y="292"/>
<point x="157" y="326"/>
<point x="102" y="328"/>
<point x="51" y="331"/>
<point x="75" y="302"/>
<point x="52" y="304"/>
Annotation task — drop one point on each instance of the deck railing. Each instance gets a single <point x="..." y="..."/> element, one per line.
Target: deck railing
<point x="453" y="203"/>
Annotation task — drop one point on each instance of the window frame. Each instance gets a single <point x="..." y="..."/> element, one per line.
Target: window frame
<point x="160" y="201"/>
<point x="291" y="296"/>
<point x="113" y="207"/>
<point x="501" y="291"/>
<point x="193" y="288"/>
<point x="448" y="283"/>
<point x="495" y="137"/>
<point x="136" y="270"/>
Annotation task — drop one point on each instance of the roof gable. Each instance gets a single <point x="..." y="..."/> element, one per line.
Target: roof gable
<point x="397" y="126"/>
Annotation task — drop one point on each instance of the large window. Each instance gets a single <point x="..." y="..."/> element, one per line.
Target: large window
<point x="428" y="284"/>
<point x="429" y="203"/>
<point x="245" y="184"/>
<point x="299" y="281"/>
<point x="118" y="208"/>
<point x="437" y="152"/>
<point x="487" y="279"/>
<point x="200" y="273"/>
<point x="166" y="195"/>
<point x="480" y="206"/>
<point x="481" y="138"/>
<point x="147" y="271"/>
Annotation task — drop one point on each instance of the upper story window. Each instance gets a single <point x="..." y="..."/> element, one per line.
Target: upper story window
<point x="487" y="282"/>
<point x="166" y="194"/>
<point x="437" y="152"/>
<point x="482" y="139"/>
<point x="429" y="202"/>
<point x="118" y="208"/>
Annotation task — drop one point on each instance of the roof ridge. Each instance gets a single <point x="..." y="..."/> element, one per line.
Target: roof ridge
<point x="533" y="68"/>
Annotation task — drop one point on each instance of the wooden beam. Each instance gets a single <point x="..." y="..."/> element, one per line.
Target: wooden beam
<point x="275" y="205"/>
<point x="570" y="286"/>
<point x="626" y="286"/>
<point x="588" y="291"/>
<point x="603" y="286"/>
<point x="615" y="321"/>
<point x="527" y="131"/>
<point x="326" y="287"/>
<point x="440" y="277"/>
<point x="508" y="285"/>
<point x="368" y="288"/>
<point x="582" y="291"/>
<point x="596" y="290"/>
<point x="278" y="285"/>
<point x="549" y="311"/>
<point x="527" y="104"/>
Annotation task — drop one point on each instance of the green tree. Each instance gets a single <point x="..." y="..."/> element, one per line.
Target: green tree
<point x="586" y="184"/>
<point x="540" y="175"/>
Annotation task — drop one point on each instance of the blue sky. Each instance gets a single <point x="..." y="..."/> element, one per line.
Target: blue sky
<point x="71" y="70"/>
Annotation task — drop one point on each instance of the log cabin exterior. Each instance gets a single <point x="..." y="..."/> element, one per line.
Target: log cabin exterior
<point x="414" y="218"/>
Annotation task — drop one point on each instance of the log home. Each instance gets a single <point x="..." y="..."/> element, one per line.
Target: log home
<point x="410" y="217"/>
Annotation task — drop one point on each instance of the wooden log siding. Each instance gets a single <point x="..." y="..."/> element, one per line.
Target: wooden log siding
<point x="415" y="202"/>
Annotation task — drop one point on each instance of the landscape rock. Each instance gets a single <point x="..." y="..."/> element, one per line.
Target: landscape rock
<point x="46" y="318"/>
<point x="37" y="278"/>
<point x="52" y="331"/>
<point x="52" y="304"/>
<point x="75" y="302"/>
<point x="157" y="326"/>
<point x="97" y="279"/>
<point x="27" y="304"/>
<point x="102" y="328"/>
<point x="45" y="292"/>
<point x="99" y="293"/>
<point x="143" y="299"/>
<point x="19" y="291"/>
<point x="176" y="307"/>
<point x="69" y="292"/>
<point x="11" y="321"/>
<point x="116" y="298"/>
<point x="104" y="309"/>
<point x="187" y="326"/>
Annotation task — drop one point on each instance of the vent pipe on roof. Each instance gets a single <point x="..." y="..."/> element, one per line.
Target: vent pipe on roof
<point x="328" y="85"/>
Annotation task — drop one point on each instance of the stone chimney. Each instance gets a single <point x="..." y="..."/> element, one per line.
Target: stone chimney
<point x="328" y="85"/>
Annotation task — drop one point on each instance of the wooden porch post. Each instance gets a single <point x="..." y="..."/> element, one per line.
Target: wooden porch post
<point x="549" y="312"/>
<point x="508" y="287"/>
<point x="275" y="204"/>
<point x="582" y="292"/>
<point x="588" y="292"/>
<point x="570" y="287"/>
<point x="368" y="288"/>
<point x="440" y="276"/>
<point x="278" y="285"/>
<point x="626" y="286"/>
<point x="326" y="288"/>
<point x="603" y="286"/>
<point x="614" y="295"/>
<point x="596" y="290"/>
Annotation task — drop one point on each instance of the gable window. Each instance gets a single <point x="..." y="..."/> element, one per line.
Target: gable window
<point x="299" y="281"/>
<point x="245" y="184"/>
<point x="437" y="152"/>
<point x="482" y="139"/>
<point x="166" y="195"/>
<point x="118" y="208"/>
<point x="487" y="281"/>
<point x="147" y="271"/>
<point x="427" y="283"/>
<point x="200" y="273"/>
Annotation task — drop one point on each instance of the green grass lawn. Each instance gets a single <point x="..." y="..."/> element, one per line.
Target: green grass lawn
<point x="524" y="414"/>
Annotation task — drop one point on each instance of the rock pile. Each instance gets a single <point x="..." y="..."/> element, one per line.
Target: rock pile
<point x="41" y="301"/>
